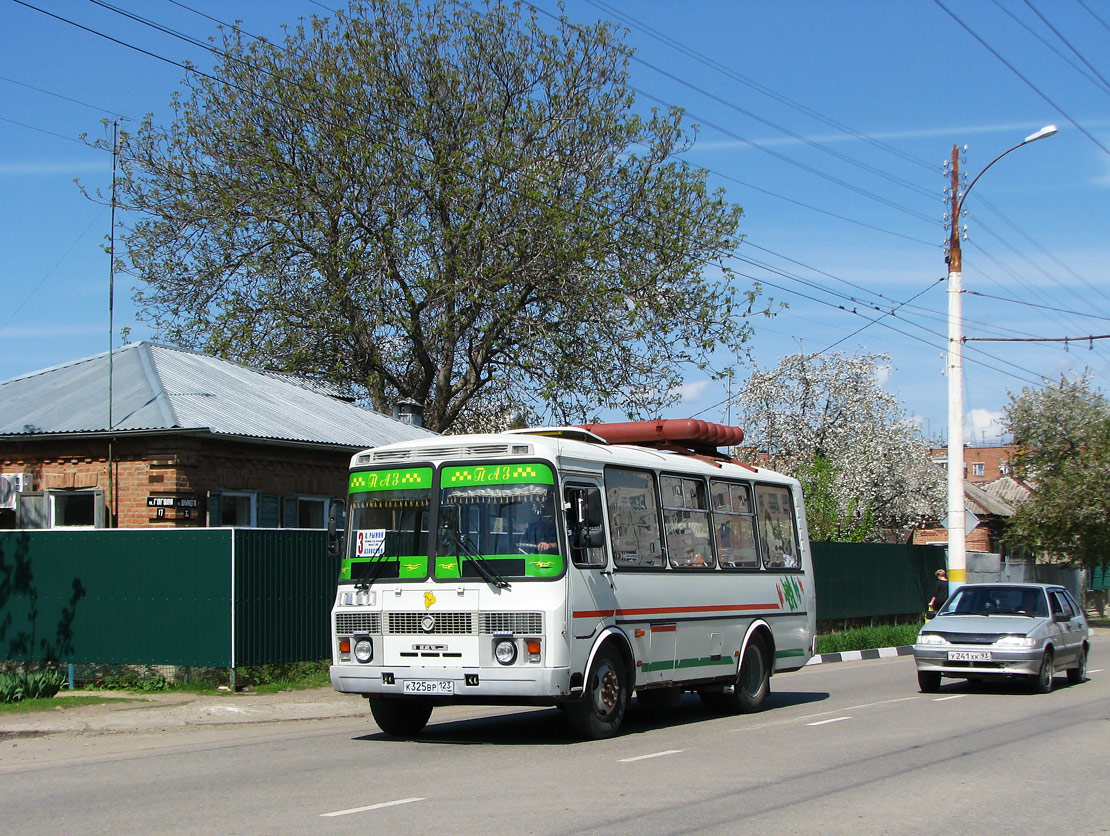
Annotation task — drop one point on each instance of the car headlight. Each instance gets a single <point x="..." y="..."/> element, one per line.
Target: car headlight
<point x="364" y="649"/>
<point x="505" y="651"/>
<point x="931" y="638"/>
<point x="1016" y="641"/>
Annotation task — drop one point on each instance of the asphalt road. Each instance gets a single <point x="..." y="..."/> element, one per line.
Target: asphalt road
<point x="848" y="748"/>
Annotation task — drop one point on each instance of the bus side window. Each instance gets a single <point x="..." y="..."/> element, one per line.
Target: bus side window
<point x="633" y="518"/>
<point x="734" y="525"/>
<point x="777" y="536"/>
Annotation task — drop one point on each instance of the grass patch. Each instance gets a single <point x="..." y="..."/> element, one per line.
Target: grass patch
<point x="50" y="703"/>
<point x="295" y="676"/>
<point x="868" y="638"/>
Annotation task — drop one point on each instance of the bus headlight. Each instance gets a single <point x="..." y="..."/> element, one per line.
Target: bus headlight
<point x="364" y="649"/>
<point x="505" y="651"/>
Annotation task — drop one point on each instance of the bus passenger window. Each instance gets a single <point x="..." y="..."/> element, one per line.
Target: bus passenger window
<point x="633" y="518"/>
<point x="686" y="522"/>
<point x="776" y="527"/>
<point x="734" y="525"/>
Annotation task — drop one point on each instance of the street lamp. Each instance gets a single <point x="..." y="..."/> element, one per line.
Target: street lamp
<point x="957" y="536"/>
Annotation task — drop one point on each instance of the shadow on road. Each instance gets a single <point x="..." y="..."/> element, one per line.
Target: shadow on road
<point x="547" y="727"/>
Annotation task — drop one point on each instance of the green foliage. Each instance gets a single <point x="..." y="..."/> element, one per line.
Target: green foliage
<point x="824" y="519"/>
<point x="30" y="685"/>
<point x="1063" y="431"/>
<point x="438" y="202"/>
<point x="128" y="678"/>
<point x="289" y="675"/>
<point x="867" y="638"/>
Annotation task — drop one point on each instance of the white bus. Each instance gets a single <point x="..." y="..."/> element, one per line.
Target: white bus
<point x="569" y="566"/>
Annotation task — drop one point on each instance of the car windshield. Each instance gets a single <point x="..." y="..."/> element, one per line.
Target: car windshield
<point x="997" y="600"/>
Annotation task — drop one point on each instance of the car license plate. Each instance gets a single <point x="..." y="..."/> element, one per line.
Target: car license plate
<point x="969" y="655"/>
<point x="428" y="686"/>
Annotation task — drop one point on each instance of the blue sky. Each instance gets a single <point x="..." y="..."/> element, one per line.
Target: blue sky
<point x="828" y="122"/>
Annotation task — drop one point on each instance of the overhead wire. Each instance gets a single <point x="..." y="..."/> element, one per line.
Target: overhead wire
<point x="1022" y="76"/>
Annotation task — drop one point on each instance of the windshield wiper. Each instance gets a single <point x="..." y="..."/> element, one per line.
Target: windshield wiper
<point x="477" y="559"/>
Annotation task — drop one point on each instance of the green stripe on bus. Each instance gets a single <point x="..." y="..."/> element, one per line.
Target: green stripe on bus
<point x="500" y="474"/>
<point x="701" y="662"/>
<point x="535" y="565"/>
<point x="393" y="479"/>
<point x="783" y="654"/>
<point x="415" y="566"/>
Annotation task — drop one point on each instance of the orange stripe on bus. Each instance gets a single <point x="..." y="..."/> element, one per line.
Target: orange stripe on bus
<point x="668" y="610"/>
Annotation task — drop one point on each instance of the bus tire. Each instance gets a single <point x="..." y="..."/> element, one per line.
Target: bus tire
<point x="753" y="682"/>
<point x="600" y="712"/>
<point x="400" y="717"/>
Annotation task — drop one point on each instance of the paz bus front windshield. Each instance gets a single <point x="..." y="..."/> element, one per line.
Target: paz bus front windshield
<point x="502" y="514"/>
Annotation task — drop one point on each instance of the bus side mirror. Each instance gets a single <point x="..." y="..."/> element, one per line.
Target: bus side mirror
<point x="336" y="525"/>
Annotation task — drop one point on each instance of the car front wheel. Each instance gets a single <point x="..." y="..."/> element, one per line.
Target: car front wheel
<point x="1042" y="682"/>
<point x="928" y="681"/>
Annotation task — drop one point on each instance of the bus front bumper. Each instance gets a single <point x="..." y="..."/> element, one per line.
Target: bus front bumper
<point x="462" y="684"/>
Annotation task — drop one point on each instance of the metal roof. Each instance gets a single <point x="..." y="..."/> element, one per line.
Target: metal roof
<point x="157" y="387"/>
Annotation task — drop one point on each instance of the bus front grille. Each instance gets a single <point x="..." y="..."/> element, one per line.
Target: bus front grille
<point x="530" y="623"/>
<point x="440" y="623"/>
<point x="349" y="623"/>
<point x="463" y="623"/>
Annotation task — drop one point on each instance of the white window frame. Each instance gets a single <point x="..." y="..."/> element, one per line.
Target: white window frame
<point x="99" y="511"/>
<point x="252" y="496"/>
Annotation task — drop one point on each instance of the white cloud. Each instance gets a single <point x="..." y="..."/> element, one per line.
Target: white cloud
<point x="983" y="425"/>
<point x="692" y="391"/>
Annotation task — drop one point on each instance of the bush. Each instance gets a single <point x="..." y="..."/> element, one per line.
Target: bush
<point x="867" y="638"/>
<point x="298" y="674"/>
<point x="30" y="685"/>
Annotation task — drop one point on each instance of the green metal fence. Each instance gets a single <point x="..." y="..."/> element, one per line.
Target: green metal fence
<point x="226" y="597"/>
<point x="864" y="580"/>
<point x="209" y="597"/>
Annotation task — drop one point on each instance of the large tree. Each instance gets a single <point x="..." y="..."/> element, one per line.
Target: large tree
<point x="1063" y="437"/>
<point x="826" y="420"/>
<point x="431" y="202"/>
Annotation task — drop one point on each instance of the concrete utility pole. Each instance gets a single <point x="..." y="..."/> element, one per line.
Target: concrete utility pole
<point x="957" y="535"/>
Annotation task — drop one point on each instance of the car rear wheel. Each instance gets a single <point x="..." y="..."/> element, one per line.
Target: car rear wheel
<point x="1042" y="682"/>
<point x="1079" y="672"/>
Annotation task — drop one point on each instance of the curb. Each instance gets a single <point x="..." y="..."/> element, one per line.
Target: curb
<point x="857" y="655"/>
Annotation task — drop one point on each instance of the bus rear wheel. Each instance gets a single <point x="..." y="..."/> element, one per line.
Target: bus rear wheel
<point x="601" y="710"/>
<point x="753" y="684"/>
<point x="400" y="717"/>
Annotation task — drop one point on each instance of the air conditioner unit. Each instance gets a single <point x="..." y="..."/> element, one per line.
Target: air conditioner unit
<point x="12" y="484"/>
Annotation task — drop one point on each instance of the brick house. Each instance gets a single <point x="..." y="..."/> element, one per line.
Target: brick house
<point x="190" y="440"/>
<point x="992" y="503"/>
<point x="981" y="464"/>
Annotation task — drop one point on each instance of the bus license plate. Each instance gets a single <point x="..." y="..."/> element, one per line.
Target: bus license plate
<point x="428" y="686"/>
<point x="969" y="655"/>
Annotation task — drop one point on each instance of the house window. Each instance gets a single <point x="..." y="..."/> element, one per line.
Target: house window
<point x="312" y="513"/>
<point x="978" y="469"/>
<point x="76" y="509"/>
<point x="238" y="509"/>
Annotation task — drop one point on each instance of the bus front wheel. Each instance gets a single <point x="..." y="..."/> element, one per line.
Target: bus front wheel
<point x="601" y="710"/>
<point x="400" y="717"/>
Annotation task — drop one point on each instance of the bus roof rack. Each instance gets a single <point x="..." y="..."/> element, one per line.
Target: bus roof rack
<point x="679" y="435"/>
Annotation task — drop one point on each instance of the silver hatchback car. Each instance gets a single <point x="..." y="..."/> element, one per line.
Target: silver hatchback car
<point x="993" y="630"/>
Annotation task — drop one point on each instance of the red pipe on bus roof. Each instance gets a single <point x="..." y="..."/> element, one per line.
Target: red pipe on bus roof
<point x="683" y="431"/>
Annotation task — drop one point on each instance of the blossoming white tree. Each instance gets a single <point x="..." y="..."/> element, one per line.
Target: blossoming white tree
<point x="863" y="465"/>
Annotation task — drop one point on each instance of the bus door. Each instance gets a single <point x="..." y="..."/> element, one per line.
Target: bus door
<point x="592" y="599"/>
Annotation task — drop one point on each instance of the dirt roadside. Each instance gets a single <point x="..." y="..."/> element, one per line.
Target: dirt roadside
<point x="123" y="712"/>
